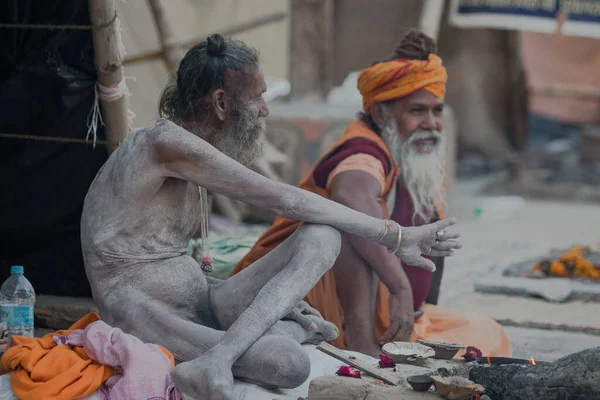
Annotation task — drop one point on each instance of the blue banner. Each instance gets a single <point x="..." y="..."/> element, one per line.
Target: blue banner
<point x="583" y="16"/>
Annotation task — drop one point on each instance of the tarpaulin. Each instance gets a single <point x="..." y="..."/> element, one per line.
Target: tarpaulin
<point x="529" y="15"/>
<point x="47" y="79"/>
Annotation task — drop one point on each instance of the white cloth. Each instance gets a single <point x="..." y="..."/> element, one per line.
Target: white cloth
<point x="321" y="365"/>
<point x="6" y="392"/>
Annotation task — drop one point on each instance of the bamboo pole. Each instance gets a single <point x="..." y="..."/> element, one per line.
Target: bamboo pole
<point x="311" y="48"/>
<point x="560" y="90"/>
<point x="431" y="18"/>
<point x="170" y="53"/>
<point x="429" y="23"/>
<point x="229" y="31"/>
<point x="108" y="58"/>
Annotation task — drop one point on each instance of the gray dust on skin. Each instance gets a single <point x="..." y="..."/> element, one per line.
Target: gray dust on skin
<point x="139" y="214"/>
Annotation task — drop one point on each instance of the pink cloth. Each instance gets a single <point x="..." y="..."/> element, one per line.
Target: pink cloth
<point x="142" y="371"/>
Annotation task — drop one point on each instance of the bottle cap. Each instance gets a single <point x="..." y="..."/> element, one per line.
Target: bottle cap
<point x="16" y="269"/>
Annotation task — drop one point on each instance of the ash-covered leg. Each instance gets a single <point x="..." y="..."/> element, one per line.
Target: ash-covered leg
<point x="312" y="250"/>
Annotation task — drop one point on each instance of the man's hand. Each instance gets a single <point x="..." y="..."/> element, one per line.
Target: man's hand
<point x="402" y="317"/>
<point x="425" y="239"/>
<point x="300" y="315"/>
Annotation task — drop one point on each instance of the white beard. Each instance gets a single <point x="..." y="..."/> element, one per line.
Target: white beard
<point x="423" y="174"/>
<point x="244" y="141"/>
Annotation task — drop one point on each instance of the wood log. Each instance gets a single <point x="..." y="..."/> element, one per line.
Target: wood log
<point x="108" y="58"/>
<point x="311" y="48"/>
<point x="171" y="53"/>
<point x="227" y="31"/>
<point x="576" y="376"/>
<point x="431" y="17"/>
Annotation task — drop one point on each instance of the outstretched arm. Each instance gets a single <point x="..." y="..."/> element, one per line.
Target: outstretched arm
<point x="185" y="156"/>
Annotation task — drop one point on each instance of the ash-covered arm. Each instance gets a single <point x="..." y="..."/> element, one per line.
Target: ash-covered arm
<point x="186" y="156"/>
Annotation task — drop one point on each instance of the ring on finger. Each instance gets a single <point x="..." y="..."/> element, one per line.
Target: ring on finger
<point x="428" y="252"/>
<point x="439" y="235"/>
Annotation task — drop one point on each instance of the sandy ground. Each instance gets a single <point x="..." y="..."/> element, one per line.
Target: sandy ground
<point x="501" y="236"/>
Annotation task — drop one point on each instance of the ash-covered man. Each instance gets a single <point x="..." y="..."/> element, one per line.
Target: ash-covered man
<point x="388" y="163"/>
<point x="148" y="201"/>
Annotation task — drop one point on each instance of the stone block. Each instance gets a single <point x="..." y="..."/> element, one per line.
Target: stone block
<point x="60" y="312"/>
<point x="574" y="316"/>
<point x="336" y="387"/>
<point x="556" y="290"/>
<point x="548" y="345"/>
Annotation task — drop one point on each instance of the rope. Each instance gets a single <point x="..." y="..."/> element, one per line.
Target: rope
<point x="107" y="94"/>
<point x="64" y="27"/>
<point x="104" y="93"/>
<point x="50" y="139"/>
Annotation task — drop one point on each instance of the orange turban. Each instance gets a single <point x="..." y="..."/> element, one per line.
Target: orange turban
<point x="398" y="78"/>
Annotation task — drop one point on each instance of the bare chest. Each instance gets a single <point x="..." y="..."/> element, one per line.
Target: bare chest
<point x="178" y="208"/>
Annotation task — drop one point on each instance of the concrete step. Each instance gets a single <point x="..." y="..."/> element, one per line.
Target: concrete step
<point x="60" y="312"/>
<point x="548" y="345"/>
<point x="575" y="316"/>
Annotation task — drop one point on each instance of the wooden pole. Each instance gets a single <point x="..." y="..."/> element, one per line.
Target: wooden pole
<point x="171" y="53"/>
<point x="229" y="31"/>
<point x="431" y="17"/>
<point x="560" y="90"/>
<point x="108" y="59"/>
<point x="311" y="48"/>
<point x="429" y="23"/>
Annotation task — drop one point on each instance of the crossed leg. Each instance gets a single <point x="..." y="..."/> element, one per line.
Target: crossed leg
<point x="310" y="247"/>
<point x="272" y="361"/>
<point x="266" y="293"/>
<point x="257" y="345"/>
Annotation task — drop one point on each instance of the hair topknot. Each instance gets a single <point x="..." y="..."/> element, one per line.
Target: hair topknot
<point x="205" y="68"/>
<point x="415" y="45"/>
<point x="216" y="45"/>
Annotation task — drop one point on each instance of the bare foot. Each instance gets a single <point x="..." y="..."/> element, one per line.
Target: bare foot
<point x="325" y="331"/>
<point x="204" y="378"/>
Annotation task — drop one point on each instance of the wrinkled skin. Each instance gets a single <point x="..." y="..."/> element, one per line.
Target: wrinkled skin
<point x="139" y="215"/>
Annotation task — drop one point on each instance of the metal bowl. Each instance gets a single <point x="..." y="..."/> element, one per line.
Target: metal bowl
<point x="404" y="352"/>
<point x="443" y="350"/>
<point x="420" y="383"/>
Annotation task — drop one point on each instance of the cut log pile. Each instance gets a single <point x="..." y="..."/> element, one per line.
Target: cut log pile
<point x="576" y="376"/>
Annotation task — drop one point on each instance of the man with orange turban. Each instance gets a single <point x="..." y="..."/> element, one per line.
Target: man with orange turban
<point x="388" y="164"/>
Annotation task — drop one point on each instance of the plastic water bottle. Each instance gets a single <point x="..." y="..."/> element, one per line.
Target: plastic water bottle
<point x="17" y="299"/>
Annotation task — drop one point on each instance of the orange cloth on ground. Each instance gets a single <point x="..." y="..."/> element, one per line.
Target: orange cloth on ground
<point x="447" y="325"/>
<point x="42" y="370"/>
<point x="390" y="80"/>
